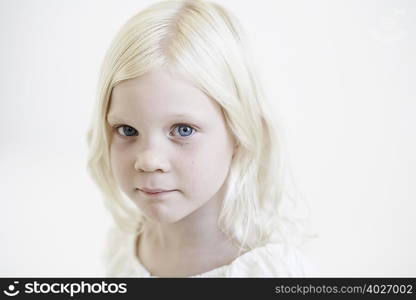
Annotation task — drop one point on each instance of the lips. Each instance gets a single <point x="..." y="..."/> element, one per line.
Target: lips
<point x="158" y="194"/>
<point x="154" y="191"/>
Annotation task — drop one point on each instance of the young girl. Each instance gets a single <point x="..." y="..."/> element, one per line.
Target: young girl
<point x="186" y="153"/>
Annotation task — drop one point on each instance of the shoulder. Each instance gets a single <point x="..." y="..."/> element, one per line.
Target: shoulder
<point x="271" y="260"/>
<point x="116" y="250"/>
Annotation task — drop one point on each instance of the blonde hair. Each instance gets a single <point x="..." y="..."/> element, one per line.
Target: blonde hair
<point x="204" y="42"/>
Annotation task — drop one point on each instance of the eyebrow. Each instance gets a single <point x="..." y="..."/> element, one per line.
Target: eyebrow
<point x="120" y="119"/>
<point x="116" y="119"/>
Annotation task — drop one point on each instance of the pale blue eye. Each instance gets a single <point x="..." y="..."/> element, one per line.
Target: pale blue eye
<point x="129" y="131"/>
<point x="187" y="131"/>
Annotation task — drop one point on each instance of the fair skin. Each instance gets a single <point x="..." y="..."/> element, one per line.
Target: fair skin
<point x="189" y="154"/>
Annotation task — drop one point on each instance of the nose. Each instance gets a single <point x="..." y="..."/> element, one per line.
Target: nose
<point x="150" y="160"/>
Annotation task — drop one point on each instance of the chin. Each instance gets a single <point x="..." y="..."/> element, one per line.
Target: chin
<point x="162" y="216"/>
<point x="164" y="219"/>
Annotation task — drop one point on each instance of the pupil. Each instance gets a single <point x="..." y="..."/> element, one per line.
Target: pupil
<point x="129" y="130"/>
<point x="187" y="128"/>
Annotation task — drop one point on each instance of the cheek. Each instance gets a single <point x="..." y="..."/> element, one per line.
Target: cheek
<point x="119" y="164"/>
<point x="205" y="169"/>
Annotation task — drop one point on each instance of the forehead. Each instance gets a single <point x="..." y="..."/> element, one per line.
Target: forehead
<point x="157" y="95"/>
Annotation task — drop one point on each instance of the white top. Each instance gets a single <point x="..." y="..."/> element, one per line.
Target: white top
<point x="272" y="260"/>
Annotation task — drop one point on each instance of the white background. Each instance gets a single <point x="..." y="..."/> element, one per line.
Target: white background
<point x="341" y="74"/>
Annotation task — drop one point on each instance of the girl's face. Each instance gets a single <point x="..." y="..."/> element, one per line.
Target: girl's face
<point x="168" y="135"/>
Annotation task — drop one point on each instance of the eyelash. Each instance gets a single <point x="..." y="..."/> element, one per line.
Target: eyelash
<point x="117" y="126"/>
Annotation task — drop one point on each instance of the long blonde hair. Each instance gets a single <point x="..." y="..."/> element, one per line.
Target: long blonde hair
<point x="204" y="42"/>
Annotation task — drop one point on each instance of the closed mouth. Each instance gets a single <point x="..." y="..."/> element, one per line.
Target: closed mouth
<point x="156" y="193"/>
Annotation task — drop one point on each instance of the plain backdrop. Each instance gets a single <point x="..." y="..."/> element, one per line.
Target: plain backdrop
<point x="340" y="73"/>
